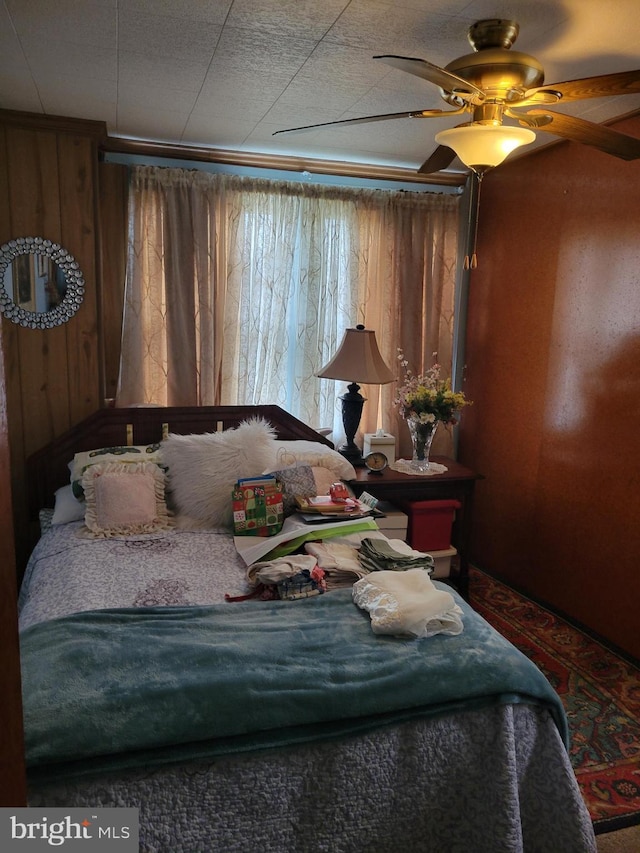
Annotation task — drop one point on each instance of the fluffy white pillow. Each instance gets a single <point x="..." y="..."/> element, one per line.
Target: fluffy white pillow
<point x="203" y="469"/>
<point x="301" y="452"/>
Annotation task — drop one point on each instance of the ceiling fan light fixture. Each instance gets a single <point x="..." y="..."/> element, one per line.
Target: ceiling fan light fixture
<point x="483" y="146"/>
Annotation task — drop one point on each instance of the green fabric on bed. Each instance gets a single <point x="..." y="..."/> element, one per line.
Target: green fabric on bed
<point x="212" y="680"/>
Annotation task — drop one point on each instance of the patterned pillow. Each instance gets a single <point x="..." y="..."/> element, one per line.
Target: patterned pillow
<point x="124" y="498"/>
<point x="133" y="453"/>
<point x="296" y="480"/>
<point x="302" y="452"/>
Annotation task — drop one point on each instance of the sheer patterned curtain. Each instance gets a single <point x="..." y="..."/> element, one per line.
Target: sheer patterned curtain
<point x="238" y="290"/>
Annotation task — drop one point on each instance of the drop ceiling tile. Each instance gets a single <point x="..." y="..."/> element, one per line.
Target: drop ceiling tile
<point x="19" y="92"/>
<point x="259" y="52"/>
<point x="196" y="10"/>
<point x="163" y="36"/>
<point x="71" y="59"/>
<point x="282" y="115"/>
<point x="216" y="130"/>
<point x="334" y="77"/>
<point x="131" y="96"/>
<point x="286" y="18"/>
<point x="72" y="97"/>
<point x="235" y="90"/>
<point x="264" y="65"/>
<point x="91" y="23"/>
<point x="162" y="124"/>
<point x="135" y="68"/>
<point x="380" y="26"/>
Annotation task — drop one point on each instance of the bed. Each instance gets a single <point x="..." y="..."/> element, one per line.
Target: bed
<point x="246" y="724"/>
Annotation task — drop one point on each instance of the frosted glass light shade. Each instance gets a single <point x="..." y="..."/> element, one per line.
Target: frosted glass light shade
<point x="482" y="146"/>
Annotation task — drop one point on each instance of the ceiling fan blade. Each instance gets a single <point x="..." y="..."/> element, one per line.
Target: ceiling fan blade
<point x="579" y="130"/>
<point x="367" y="119"/>
<point x="622" y="83"/>
<point x="442" y="157"/>
<point x="440" y="76"/>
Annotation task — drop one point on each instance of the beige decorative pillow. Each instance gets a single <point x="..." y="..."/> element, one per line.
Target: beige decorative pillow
<point x="324" y="478"/>
<point x="124" y="498"/>
<point x="128" y="453"/>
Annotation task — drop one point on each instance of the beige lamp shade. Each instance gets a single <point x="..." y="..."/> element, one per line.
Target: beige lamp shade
<point x="358" y="359"/>
<point x="482" y="146"/>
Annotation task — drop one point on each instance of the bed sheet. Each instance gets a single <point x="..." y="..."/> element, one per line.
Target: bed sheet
<point x="69" y="574"/>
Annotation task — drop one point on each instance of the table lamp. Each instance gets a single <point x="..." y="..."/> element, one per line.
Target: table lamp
<point x="358" y="359"/>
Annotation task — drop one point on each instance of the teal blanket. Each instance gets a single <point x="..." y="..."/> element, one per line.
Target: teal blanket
<point x="137" y="686"/>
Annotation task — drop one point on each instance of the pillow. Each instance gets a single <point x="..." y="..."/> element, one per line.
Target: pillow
<point x="203" y="469"/>
<point x="296" y="480"/>
<point x="67" y="507"/>
<point x="323" y="478"/>
<point x="133" y="453"/>
<point x="124" y="498"/>
<point x="317" y="455"/>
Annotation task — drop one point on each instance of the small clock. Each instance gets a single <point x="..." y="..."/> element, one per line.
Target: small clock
<point x="376" y="462"/>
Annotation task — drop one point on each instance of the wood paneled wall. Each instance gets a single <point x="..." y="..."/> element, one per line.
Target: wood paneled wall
<point x="48" y="172"/>
<point x="553" y="367"/>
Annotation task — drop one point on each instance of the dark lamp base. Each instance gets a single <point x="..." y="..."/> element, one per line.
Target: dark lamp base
<point x="353" y="454"/>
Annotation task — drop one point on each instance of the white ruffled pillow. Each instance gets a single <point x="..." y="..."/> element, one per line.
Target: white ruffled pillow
<point x="124" y="498"/>
<point x="203" y="469"/>
<point x="134" y="453"/>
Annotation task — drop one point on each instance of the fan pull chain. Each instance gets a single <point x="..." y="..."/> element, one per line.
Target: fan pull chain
<point x="471" y="261"/>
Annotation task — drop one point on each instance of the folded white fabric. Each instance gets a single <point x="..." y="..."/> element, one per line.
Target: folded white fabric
<point x="338" y="560"/>
<point x="274" y="571"/>
<point x="407" y="604"/>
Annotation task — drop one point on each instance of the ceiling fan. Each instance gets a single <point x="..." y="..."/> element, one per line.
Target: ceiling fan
<point x="494" y="83"/>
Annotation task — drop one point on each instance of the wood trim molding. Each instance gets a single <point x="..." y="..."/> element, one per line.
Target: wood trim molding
<point x="61" y="124"/>
<point x="275" y="161"/>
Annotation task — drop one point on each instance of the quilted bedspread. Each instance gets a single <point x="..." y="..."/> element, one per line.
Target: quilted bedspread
<point x="212" y="680"/>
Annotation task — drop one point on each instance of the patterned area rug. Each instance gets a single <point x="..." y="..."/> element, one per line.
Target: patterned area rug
<point x="600" y="692"/>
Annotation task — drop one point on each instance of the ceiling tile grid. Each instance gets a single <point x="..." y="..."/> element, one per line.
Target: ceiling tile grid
<point x="229" y="73"/>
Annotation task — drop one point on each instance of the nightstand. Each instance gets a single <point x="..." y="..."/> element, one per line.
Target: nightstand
<point x="456" y="483"/>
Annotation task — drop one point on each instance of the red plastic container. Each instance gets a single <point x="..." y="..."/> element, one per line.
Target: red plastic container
<point x="430" y="522"/>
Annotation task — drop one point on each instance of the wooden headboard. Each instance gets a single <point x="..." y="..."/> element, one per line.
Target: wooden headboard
<point x="47" y="469"/>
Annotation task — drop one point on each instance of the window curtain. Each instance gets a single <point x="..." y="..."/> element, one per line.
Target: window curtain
<point x="238" y="290"/>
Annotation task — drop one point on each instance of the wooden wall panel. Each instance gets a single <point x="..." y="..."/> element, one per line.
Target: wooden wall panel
<point x="553" y="367"/>
<point x="77" y="159"/>
<point x="52" y="376"/>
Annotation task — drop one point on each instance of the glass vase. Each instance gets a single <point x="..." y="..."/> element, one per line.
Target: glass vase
<point x="421" y="437"/>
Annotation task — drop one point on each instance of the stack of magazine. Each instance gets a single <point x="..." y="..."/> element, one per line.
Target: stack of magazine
<point x="315" y="510"/>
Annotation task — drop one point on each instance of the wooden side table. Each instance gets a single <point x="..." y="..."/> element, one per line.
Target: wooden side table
<point x="456" y="483"/>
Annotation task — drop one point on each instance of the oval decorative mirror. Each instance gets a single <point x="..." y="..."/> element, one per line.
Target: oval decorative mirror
<point x="41" y="284"/>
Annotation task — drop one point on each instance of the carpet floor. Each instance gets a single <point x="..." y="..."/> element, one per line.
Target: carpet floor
<point x="599" y="690"/>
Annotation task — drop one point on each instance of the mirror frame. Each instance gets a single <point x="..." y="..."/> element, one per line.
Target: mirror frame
<point x="73" y="277"/>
